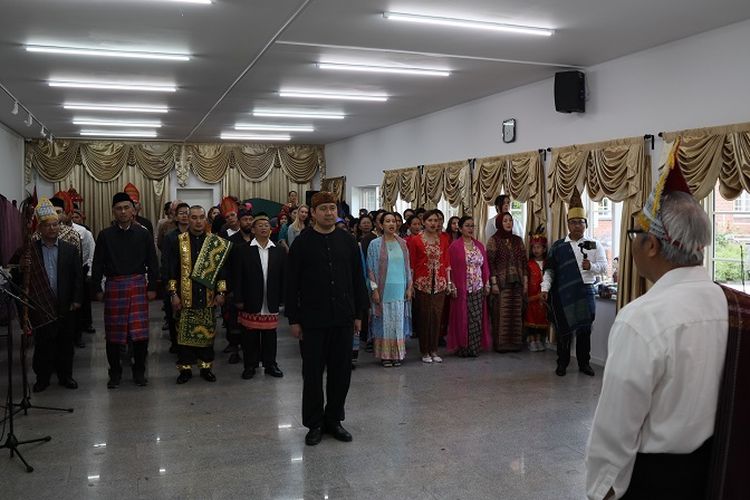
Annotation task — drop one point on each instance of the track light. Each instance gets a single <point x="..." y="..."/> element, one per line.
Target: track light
<point x="29" y="120"/>
<point x="14" y="111"/>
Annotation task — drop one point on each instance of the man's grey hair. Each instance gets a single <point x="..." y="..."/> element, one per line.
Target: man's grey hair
<point x="688" y="229"/>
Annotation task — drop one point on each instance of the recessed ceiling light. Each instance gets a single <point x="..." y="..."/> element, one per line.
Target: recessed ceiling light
<point x="129" y="108"/>
<point x="231" y="136"/>
<point x="274" y="128"/>
<point x="144" y="87"/>
<point x="115" y="123"/>
<point x="468" y="23"/>
<point x="371" y="68"/>
<point x="128" y="54"/>
<point x="283" y="113"/>
<point x="119" y="133"/>
<point x="346" y="96"/>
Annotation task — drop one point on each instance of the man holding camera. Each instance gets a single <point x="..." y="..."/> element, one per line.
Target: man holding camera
<point x="569" y="274"/>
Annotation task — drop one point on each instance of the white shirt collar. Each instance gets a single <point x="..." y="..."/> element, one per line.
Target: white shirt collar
<point x="255" y="243"/>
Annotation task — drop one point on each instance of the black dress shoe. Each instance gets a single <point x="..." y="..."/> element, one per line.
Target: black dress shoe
<point x="314" y="436"/>
<point x="208" y="375"/>
<point x="560" y="371"/>
<point x="173" y="349"/>
<point x="40" y="385"/>
<point x="140" y="380"/>
<point x="338" y="432"/>
<point x="114" y="380"/>
<point x="274" y="371"/>
<point x="234" y="358"/>
<point x="184" y="376"/>
<point x="91" y="329"/>
<point x="586" y="370"/>
<point x="248" y="373"/>
<point x="69" y="383"/>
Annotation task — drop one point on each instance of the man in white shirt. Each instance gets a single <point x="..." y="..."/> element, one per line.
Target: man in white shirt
<point x="259" y="278"/>
<point x="570" y="271"/>
<point x="502" y="205"/>
<point x="654" y="428"/>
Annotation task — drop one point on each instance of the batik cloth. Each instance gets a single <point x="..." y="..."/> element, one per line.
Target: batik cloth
<point x="210" y="260"/>
<point x="197" y="327"/>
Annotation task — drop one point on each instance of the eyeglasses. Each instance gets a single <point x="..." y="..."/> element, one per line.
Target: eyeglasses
<point x="633" y="233"/>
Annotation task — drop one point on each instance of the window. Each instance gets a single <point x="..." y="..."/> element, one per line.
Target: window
<point x="517" y="210"/>
<point x="400" y="206"/>
<point x="369" y="198"/>
<point x="604" y="226"/>
<point x="727" y="260"/>
<point x="448" y="209"/>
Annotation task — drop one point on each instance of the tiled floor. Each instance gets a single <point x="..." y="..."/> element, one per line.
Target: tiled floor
<point x="500" y="426"/>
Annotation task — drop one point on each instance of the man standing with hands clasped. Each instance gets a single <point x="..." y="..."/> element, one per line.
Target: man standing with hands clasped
<point x="325" y="294"/>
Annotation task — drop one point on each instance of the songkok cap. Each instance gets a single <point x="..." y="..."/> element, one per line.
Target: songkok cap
<point x="320" y="198"/>
<point x="575" y="207"/>
<point x="670" y="180"/>
<point x="120" y="197"/>
<point x="132" y="191"/>
<point x="228" y="205"/>
<point x="45" y="211"/>
<point x="538" y="236"/>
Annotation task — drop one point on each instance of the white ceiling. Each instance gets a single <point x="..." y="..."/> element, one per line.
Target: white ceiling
<point x="281" y="49"/>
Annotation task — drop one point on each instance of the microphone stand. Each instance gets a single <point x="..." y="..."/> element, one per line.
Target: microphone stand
<point x="25" y="403"/>
<point x="12" y="443"/>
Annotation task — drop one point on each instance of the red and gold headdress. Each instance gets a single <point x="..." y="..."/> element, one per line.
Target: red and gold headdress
<point x="227" y="205"/>
<point x="538" y="236"/>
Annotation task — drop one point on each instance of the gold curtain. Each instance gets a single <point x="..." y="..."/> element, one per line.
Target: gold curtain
<point x="618" y="170"/>
<point x="274" y="186"/>
<point x="209" y="161"/>
<point x="301" y="162"/>
<point x="103" y="160"/>
<point x="97" y="195"/>
<point x="520" y="176"/>
<point x="714" y="154"/>
<point x="336" y="185"/>
<point x="405" y="182"/>
<point x="446" y="180"/>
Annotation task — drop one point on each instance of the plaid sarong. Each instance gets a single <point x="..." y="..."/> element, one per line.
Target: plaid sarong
<point x="197" y="327"/>
<point x="125" y="309"/>
<point x="571" y="304"/>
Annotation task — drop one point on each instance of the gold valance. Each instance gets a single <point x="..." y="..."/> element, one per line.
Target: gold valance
<point x="447" y="180"/>
<point x="405" y="182"/>
<point x="714" y="154"/>
<point x="335" y="185"/>
<point x="104" y="161"/>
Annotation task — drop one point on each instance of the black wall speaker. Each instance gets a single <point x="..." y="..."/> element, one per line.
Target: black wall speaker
<point x="570" y="92"/>
<point x="308" y="197"/>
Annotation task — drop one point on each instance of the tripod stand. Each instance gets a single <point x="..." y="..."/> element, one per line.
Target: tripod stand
<point x="12" y="442"/>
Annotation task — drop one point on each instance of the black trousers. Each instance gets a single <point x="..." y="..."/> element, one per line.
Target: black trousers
<point x="171" y="321"/>
<point x="140" y="351"/>
<point x="325" y="349"/>
<point x="257" y="346"/>
<point x="669" y="475"/>
<point x="583" y="339"/>
<point x="85" y="317"/>
<point x="190" y="355"/>
<point x="53" y="349"/>
<point x="234" y="329"/>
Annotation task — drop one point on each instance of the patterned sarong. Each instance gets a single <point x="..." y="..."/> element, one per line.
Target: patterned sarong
<point x="125" y="309"/>
<point x="571" y="305"/>
<point x="210" y="260"/>
<point x="258" y="321"/>
<point x="196" y="327"/>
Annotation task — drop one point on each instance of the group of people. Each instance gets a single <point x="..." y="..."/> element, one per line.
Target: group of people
<point x="439" y="283"/>
<point x="672" y="408"/>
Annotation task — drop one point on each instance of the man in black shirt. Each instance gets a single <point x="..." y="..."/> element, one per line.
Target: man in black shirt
<point x="241" y="238"/>
<point x="325" y="296"/>
<point x="124" y="254"/>
<point x="182" y="219"/>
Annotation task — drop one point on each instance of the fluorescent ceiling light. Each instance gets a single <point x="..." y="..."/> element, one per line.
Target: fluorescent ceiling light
<point x="231" y="136"/>
<point x="468" y="23"/>
<point x="280" y="113"/>
<point x="315" y="94"/>
<point x="119" y="133"/>
<point x="129" y="54"/>
<point x="130" y="108"/>
<point x="202" y="2"/>
<point x="115" y="123"/>
<point x="274" y="128"/>
<point x="370" y="68"/>
<point x="145" y="87"/>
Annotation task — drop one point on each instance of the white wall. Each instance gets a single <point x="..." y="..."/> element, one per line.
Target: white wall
<point x="11" y="164"/>
<point x="695" y="82"/>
